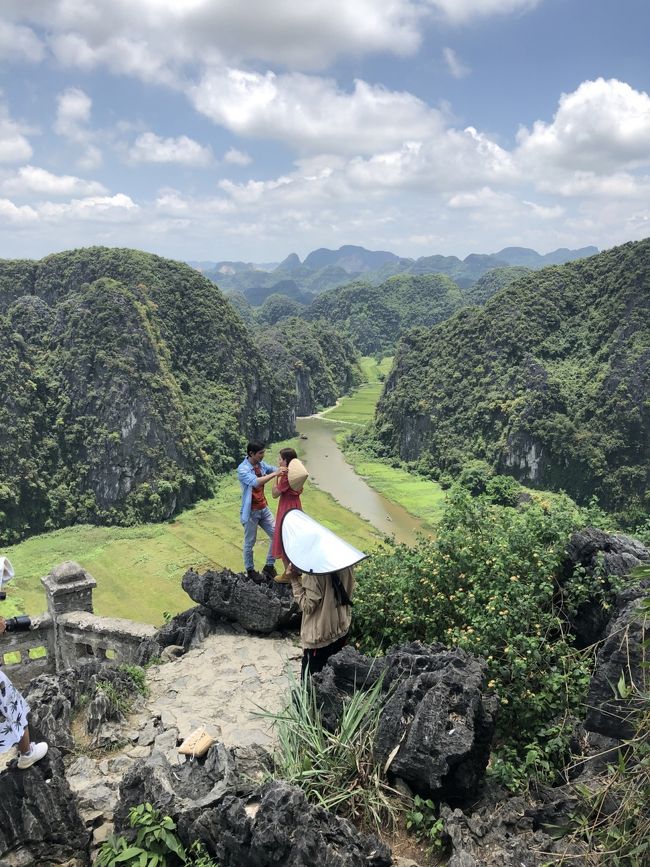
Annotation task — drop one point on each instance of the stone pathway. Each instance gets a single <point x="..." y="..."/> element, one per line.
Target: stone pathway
<point x="223" y="685"/>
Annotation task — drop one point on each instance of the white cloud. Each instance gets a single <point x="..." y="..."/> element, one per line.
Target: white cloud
<point x="12" y="213"/>
<point x="455" y="66"/>
<point x="601" y="127"/>
<point x="31" y="179"/>
<point x="237" y="157"/>
<point x="14" y="146"/>
<point x="154" y="38"/>
<point x="620" y="185"/>
<point x="19" y="43"/>
<point x="311" y="113"/>
<point x="115" y="207"/>
<point x="72" y="122"/>
<point x="151" y="148"/>
<point x="73" y="114"/>
<point x="462" y="11"/>
<point x="452" y="160"/>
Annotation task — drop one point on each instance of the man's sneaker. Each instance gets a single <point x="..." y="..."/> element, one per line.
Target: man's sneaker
<point x="35" y="754"/>
<point x="254" y="575"/>
<point x="269" y="570"/>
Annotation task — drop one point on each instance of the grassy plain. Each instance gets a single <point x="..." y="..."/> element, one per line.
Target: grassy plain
<point x="359" y="408"/>
<point x="139" y="569"/>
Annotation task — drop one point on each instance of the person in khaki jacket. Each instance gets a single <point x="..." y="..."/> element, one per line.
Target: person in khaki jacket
<point x="322" y="582"/>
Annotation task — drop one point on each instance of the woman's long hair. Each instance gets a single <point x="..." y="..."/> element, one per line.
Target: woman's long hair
<point x="288" y="455"/>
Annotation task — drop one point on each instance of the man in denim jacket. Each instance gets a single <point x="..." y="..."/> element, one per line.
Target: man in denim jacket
<point x="253" y="473"/>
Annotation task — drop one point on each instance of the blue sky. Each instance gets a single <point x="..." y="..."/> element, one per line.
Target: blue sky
<point x="215" y="129"/>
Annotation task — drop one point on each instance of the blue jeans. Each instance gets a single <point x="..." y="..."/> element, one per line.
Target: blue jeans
<point x="259" y="518"/>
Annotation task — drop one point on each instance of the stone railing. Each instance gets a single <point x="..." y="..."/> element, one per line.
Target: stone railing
<point x="70" y="633"/>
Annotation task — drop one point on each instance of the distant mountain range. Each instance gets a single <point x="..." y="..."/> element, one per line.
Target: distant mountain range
<point x="325" y="269"/>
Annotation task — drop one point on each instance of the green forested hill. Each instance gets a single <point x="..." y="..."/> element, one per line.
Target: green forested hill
<point x="127" y="383"/>
<point x="375" y="316"/>
<point x="549" y="382"/>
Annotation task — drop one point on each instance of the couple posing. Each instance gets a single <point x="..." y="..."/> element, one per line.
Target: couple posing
<point x="253" y="473"/>
<point x="317" y="563"/>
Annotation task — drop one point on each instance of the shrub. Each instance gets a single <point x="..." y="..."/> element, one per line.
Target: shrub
<point x="156" y="844"/>
<point x="490" y="584"/>
<point x="475" y="476"/>
<point x="503" y="490"/>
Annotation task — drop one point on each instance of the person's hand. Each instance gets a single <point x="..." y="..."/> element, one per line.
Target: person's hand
<point x="283" y="471"/>
<point x="3" y="625"/>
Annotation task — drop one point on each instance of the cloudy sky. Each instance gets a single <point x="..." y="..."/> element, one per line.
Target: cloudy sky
<point x="249" y="129"/>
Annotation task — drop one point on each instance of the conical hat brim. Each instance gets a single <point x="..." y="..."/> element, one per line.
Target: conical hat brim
<point x="297" y="474"/>
<point x="6" y="571"/>
<point x="313" y="548"/>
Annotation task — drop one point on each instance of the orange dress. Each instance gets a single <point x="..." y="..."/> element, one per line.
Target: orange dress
<point x="289" y="500"/>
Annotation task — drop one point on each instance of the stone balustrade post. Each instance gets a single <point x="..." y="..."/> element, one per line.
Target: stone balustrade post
<point x="68" y="588"/>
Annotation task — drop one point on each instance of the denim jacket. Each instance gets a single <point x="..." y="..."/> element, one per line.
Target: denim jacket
<point x="248" y="480"/>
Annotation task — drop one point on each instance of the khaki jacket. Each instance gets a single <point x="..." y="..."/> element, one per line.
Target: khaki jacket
<point x="323" y="621"/>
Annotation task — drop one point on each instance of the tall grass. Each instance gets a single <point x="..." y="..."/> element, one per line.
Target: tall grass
<point x="337" y="770"/>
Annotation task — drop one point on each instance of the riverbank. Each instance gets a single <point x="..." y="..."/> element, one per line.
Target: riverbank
<point x="139" y="569"/>
<point x="422" y="499"/>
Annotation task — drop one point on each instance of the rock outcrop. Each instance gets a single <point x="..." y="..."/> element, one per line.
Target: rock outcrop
<point x="509" y="832"/>
<point x="436" y="727"/>
<point x="259" y="606"/>
<point x="605" y="556"/>
<point x="219" y="801"/>
<point x="40" y="824"/>
<point x="610" y="712"/>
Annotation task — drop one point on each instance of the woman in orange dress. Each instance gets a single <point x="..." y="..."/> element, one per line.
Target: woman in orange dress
<point x="289" y="499"/>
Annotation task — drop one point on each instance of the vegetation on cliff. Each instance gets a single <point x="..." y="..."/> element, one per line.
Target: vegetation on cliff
<point x="130" y="383"/>
<point x="548" y="382"/>
<point x="375" y="316"/>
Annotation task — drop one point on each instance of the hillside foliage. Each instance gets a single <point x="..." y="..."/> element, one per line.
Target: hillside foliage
<point x="493" y="583"/>
<point x="375" y="316"/>
<point x="130" y="384"/>
<point x="548" y="382"/>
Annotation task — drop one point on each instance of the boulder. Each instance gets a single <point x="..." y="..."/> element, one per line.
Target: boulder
<point x="183" y="632"/>
<point x="40" y="823"/>
<point x="218" y="801"/>
<point x="280" y="828"/>
<point x="259" y="606"/>
<point x="436" y="727"/>
<point x="621" y="654"/>
<point x="606" y="556"/>
<point x="187" y="790"/>
<point x="53" y="699"/>
<point x="507" y="833"/>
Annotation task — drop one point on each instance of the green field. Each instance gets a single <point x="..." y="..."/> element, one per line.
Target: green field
<point x="359" y="408"/>
<point x="139" y="569"/>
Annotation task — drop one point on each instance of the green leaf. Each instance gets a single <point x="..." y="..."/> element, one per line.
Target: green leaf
<point x="128" y="854"/>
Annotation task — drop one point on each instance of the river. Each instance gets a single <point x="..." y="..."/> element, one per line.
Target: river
<point x="331" y="472"/>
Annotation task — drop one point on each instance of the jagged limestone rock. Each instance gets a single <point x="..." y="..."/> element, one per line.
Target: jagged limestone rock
<point x="279" y="827"/>
<point x="436" y="727"/>
<point x="259" y="606"/>
<point x="620" y="656"/>
<point x="40" y="823"/>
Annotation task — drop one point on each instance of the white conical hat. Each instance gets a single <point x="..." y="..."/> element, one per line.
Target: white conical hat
<point x="6" y="571"/>
<point x="313" y="548"/>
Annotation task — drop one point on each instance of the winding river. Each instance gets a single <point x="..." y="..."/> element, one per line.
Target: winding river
<point x="331" y="472"/>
